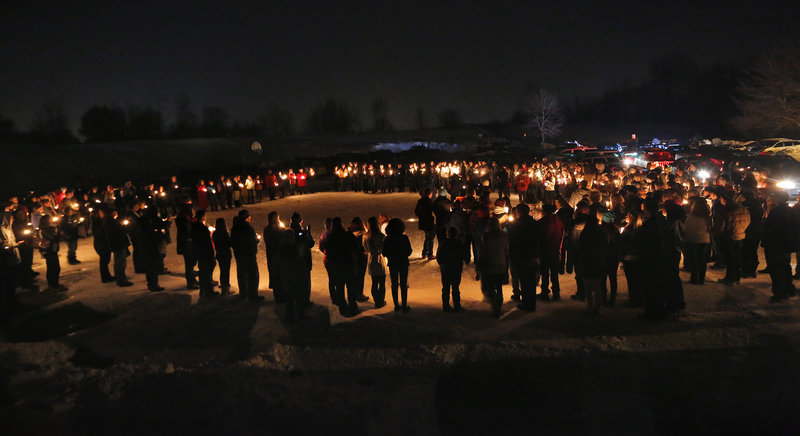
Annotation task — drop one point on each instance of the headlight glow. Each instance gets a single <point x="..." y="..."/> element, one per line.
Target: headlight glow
<point x="786" y="184"/>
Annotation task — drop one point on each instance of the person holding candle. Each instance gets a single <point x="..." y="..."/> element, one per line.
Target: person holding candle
<point x="397" y="248"/>
<point x="119" y="240"/>
<point x="222" y="248"/>
<point x="244" y="241"/>
<point x="203" y="249"/>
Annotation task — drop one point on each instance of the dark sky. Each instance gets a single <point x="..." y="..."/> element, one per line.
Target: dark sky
<point x="473" y="56"/>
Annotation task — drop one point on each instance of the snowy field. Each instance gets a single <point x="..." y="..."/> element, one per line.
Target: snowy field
<point x="100" y="359"/>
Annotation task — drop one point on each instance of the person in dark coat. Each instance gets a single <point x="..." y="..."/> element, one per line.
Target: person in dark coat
<point x="564" y="213"/>
<point x="291" y="266"/>
<point x="575" y="260"/>
<point x="552" y="240"/>
<point x="593" y="246"/>
<point x="305" y="242"/>
<point x="451" y="257"/>
<point x="341" y="248"/>
<point x="322" y="244"/>
<point x="25" y="236"/>
<point x="358" y="229"/>
<point x="676" y="216"/>
<point x="50" y="239"/>
<point x="524" y="254"/>
<point x="183" y="225"/>
<point x="780" y="239"/>
<point x="373" y="246"/>
<point x="273" y="234"/>
<point x="493" y="264"/>
<point x="752" y="236"/>
<point x="442" y="210"/>
<point x="652" y="248"/>
<point x="70" y="223"/>
<point x="222" y="248"/>
<point x="608" y="285"/>
<point x="631" y="261"/>
<point x="396" y="249"/>
<point x="152" y="239"/>
<point x="424" y="213"/>
<point x="102" y="242"/>
<point x="203" y="249"/>
<point x="244" y="242"/>
<point x="118" y="237"/>
<point x="134" y="217"/>
<point x="9" y="258"/>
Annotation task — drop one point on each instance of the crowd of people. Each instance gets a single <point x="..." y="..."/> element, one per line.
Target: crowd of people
<point x="569" y="218"/>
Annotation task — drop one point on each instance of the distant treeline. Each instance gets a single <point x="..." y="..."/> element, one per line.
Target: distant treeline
<point x="759" y="97"/>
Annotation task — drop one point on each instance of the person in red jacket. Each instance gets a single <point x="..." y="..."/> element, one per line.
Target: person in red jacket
<point x="302" y="181"/>
<point x="202" y="196"/>
<point x="271" y="184"/>
<point x="292" y="181"/>
<point x="522" y="182"/>
<point x="552" y="241"/>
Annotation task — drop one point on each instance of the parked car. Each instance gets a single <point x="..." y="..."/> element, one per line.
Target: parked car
<point x="773" y="144"/>
<point x="781" y="146"/>
<point x="782" y="171"/>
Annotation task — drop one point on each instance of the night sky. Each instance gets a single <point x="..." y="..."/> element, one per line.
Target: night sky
<point x="473" y="56"/>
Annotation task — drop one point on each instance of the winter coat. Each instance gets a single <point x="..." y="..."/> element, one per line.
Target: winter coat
<point x="755" y="228"/>
<point x="424" y="212"/>
<point x="69" y="227"/>
<point x="696" y="230"/>
<point x="202" y="246"/>
<point x="593" y="250"/>
<point x="451" y="256"/>
<point x="781" y="230"/>
<point x="183" y="225"/>
<point x="222" y="244"/>
<point x="118" y="235"/>
<point x="396" y="249"/>
<point x="102" y="241"/>
<point x="552" y="237"/>
<point x="524" y="241"/>
<point x="243" y="239"/>
<point x="373" y="245"/>
<point x="306" y="242"/>
<point x="737" y="219"/>
<point x="494" y="253"/>
<point x="152" y="234"/>
<point x="272" y="241"/>
<point x="341" y="249"/>
<point x="290" y="264"/>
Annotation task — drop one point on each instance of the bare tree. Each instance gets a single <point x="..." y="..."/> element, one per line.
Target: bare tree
<point x="450" y="118"/>
<point x="185" y="118"/>
<point x="276" y="122"/>
<point x="769" y="99"/>
<point x="50" y="125"/>
<point x="420" y="113"/>
<point x="546" y="115"/>
<point x="380" y="115"/>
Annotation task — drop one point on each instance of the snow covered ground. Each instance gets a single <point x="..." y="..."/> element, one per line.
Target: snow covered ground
<point x="103" y="359"/>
